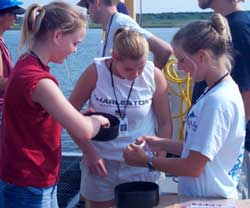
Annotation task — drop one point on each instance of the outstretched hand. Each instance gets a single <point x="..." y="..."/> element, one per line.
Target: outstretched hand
<point x="134" y="155"/>
<point x="103" y="120"/>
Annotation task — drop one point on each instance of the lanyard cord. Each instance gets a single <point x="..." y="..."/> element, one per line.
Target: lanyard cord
<point x="206" y="91"/>
<point x="37" y="57"/>
<point x="122" y="116"/>
<point x="107" y="34"/>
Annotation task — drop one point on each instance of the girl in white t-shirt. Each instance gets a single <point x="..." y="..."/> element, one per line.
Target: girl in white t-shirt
<point x="212" y="151"/>
<point x="132" y="88"/>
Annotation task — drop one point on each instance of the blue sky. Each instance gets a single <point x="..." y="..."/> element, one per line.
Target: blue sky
<point x="155" y="6"/>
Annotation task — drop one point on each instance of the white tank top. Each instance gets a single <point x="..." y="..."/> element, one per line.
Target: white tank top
<point x="139" y="111"/>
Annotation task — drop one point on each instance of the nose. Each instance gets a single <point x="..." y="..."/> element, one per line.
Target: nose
<point x="135" y="74"/>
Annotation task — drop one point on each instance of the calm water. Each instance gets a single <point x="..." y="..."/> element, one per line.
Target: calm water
<point x="68" y="73"/>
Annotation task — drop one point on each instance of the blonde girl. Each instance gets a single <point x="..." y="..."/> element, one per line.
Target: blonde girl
<point x="212" y="151"/>
<point x="35" y="109"/>
<point x="133" y="89"/>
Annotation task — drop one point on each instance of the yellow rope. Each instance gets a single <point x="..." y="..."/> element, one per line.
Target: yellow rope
<point x="184" y="91"/>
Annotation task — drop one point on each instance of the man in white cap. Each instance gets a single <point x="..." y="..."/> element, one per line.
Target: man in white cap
<point x="8" y="11"/>
<point x="105" y="12"/>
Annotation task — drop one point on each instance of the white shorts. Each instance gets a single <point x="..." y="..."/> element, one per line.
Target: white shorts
<point x="96" y="188"/>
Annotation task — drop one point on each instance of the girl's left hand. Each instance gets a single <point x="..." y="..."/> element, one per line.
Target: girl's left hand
<point x="134" y="155"/>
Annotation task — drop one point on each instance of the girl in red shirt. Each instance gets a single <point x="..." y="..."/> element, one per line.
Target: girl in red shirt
<point x="35" y="109"/>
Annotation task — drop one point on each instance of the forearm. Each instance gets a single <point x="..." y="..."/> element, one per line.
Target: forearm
<point x="85" y="129"/>
<point x="161" y="51"/>
<point x="84" y="144"/>
<point x="175" y="166"/>
<point x="164" y="131"/>
<point x="174" y="146"/>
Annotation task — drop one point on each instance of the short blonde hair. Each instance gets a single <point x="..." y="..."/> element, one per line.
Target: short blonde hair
<point x="129" y="44"/>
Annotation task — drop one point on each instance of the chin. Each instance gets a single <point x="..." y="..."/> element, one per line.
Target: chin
<point x="130" y="78"/>
<point x="58" y="61"/>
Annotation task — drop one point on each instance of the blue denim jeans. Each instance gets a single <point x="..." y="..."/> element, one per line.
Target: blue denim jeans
<point x="12" y="196"/>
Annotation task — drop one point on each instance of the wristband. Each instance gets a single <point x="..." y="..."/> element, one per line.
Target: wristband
<point x="150" y="162"/>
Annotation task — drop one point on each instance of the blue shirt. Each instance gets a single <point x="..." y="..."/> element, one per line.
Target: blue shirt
<point x="122" y="8"/>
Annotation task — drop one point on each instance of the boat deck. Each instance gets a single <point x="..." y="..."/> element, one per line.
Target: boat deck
<point x="70" y="178"/>
<point x="69" y="184"/>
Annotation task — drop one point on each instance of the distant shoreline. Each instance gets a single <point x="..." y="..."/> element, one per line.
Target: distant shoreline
<point x="151" y="20"/>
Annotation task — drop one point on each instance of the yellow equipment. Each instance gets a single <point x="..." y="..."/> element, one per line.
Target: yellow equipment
<point x="180" y="87"/>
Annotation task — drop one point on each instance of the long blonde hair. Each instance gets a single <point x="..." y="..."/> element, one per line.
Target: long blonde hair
<point x="39" y="20"/>
<point x="213" y="34"/>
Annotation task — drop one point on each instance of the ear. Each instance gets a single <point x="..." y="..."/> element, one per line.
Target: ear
<point x="203" y="55"/>
<point x="114" y="55"/>
<point x="57" y="36"/>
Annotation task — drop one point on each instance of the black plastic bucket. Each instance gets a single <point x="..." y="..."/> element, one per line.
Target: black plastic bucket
<point x="139" y="194"/>
<point x="107" y="134"/>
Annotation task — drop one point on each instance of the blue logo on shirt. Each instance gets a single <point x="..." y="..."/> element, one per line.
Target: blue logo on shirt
<point x="191" y="121"/>
<point x="235" y="172"/>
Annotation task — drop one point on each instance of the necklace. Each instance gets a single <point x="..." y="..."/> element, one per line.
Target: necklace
<point x="121" y="114"/>
<point x="37" y="57"/>
<point x="208" y="89"/>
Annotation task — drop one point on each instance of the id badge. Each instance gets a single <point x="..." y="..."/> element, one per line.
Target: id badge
<point x="123" y="128"/>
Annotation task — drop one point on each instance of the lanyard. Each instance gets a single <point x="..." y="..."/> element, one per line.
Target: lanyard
<point x="37" y="57"/>
<point x="122" y="115"/>
<point x="206" y="91"/>
<point x="107" y="34"/>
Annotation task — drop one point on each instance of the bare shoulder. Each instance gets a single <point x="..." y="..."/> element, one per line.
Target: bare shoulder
<point x="158" y="75"/>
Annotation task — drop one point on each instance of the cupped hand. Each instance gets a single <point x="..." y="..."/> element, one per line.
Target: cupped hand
<point x="103" y="120"/>
<point x="134" y="155"/>
<point x="156" y="144"/>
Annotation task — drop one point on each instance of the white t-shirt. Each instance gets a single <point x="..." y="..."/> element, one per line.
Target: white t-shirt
<point x="120" y="20"/>
<point x="139" y="112"/>
<point x="215" y="127"/>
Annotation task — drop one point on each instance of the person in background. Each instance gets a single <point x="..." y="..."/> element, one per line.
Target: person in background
<point x="104" y="12"/>
<point x="133" y="89"/>
<point x="122" y="8"/>
<point x="212" y="150"/>
<point x="239" y="23"/>
<point x="35" y="109"/>
<point x="8" y="11"/>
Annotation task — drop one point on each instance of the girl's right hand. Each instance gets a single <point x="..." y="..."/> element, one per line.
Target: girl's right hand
<point x="103" y="120"/>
